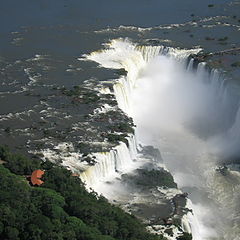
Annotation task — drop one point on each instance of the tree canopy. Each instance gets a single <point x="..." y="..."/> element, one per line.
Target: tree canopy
<point x="60" y="209"/>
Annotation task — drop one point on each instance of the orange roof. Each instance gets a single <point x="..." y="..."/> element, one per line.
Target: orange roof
<point x="35" y="177"/>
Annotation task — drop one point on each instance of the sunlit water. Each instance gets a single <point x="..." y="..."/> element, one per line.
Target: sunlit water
<point x="191" y="116"/>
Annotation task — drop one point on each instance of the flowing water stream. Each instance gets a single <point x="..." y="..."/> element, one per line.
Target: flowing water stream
<point x="191" y="114"/>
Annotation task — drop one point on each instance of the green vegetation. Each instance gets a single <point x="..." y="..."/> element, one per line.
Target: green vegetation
<point x="82" y="95"/>
<point x="117" y="125"/>
<point x="60" y="209"/>
<point x="154" y="177"/>
<point x="125" y="127"/>
<point x="116" y="138"/>
<point x="169" y="231"/>
<point x="121" y="72"/>
<point x="17" y="163"/>
<point x="85" y="95"/>
<point x="185" y="236"/>
<point x="210" y="5"/>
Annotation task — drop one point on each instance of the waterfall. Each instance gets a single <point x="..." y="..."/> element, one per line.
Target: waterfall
<point x="109" y="164"/>
<point x="190" y="65"/>
<point x="133" y="58"/>
<point x="234" y="131"/>
<point x="181" y="110"/>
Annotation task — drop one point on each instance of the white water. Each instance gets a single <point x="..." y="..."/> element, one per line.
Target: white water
<point x="110" y="164"/>
<point x="192" y="118"/>
<point x="107" y="166"/>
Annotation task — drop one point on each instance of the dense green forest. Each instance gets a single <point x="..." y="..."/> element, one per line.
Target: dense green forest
<point x="60" y="209"/>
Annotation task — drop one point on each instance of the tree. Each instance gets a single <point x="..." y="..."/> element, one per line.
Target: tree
<point x="60" y="209"/>
<point x="12" y="233"/>
<point x="1" y="227"/>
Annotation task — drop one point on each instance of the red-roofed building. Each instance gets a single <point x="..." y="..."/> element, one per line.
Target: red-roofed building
<point x="36" y="177"/>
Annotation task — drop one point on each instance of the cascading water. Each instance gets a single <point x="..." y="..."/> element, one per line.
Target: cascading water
<point x="191" y="116"/>
<point x="119" y="159"/>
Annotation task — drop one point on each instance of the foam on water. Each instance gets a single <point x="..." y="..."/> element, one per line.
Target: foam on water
<point x="180" y="110"/>
<point x="109" y="164"/>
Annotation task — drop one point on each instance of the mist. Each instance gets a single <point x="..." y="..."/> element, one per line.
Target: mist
<point x="190" y="113"/>
<point x="185" y="114"/>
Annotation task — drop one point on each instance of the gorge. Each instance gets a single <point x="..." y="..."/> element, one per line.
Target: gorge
<point x="190" y="113"/>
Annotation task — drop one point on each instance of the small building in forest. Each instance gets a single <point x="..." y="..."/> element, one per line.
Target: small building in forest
<point x="36" y="177"/>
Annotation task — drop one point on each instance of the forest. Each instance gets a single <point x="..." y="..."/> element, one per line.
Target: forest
<point x="60" y="208"/>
